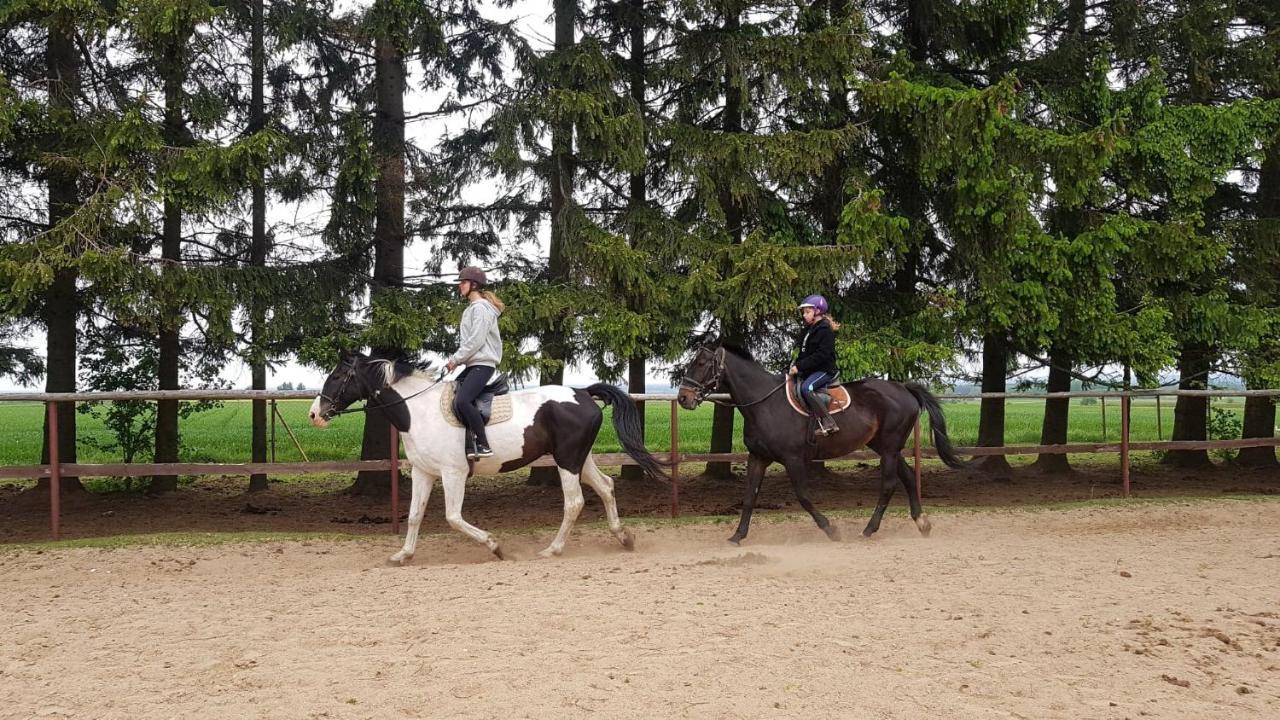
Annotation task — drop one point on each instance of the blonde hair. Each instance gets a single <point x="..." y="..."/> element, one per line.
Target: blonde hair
<point x="493" y="299"/>
<point x="829" y="318"/>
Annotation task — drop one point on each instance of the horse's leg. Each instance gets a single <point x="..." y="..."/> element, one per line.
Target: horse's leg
<point x="798" y="471"/>
<point x="454" y="484"/>
<point x="908" y="479"/>
<point x="572" y="506"/>
<point x="603" y="485"/>
<point x="888" y="484"/>
<point x="422" y="482"/>
<point x="755" y="475"/>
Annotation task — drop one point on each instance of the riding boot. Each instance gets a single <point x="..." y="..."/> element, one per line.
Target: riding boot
<point x="817" y="403"/>
<point x="471" y="445"/>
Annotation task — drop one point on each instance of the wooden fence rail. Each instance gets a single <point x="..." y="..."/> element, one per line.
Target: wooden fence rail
<point x="55" y="469"/>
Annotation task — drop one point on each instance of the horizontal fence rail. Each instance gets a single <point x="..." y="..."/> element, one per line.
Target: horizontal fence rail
<point x="54" y="470"/>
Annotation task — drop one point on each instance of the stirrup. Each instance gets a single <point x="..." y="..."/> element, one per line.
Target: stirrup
<point x="823" y="424"/>
<point x="826" y="426"/>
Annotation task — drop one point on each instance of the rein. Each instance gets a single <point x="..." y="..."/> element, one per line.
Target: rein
<point x="753" y="402"/>
<point x="702" y="390"/>
<point x="380" y="406"/>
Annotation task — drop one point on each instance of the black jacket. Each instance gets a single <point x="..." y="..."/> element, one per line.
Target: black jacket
<point x="817" y="349"/>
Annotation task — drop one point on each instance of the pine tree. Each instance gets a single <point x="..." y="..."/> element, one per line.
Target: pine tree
<point x="738" y="154"/>
<point x="388" y="189"/>
<point x="39" y="143"/>
<point x="1199" y="109"/>
<point x="1260" y="265"/>
<point x="139" y="162"/>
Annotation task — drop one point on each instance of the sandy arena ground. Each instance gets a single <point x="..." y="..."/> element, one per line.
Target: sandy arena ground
<point x="1163" y="611"/>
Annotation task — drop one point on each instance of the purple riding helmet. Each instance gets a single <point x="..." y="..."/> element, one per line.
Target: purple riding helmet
<point x="817" y="302"/>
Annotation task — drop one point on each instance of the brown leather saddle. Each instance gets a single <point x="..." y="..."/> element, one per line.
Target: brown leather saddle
<point x="494" y="402"/>
<point x="837" y="397"/>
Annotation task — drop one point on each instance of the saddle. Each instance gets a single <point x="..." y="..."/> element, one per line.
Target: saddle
<point x="837" y="397"/>
<point x="493" y="402"/>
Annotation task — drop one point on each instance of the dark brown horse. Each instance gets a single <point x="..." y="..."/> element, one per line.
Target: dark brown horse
<point x="881" y="415"/>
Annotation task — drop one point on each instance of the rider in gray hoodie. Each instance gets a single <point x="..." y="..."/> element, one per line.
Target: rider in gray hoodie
<point x="480" y="350"/>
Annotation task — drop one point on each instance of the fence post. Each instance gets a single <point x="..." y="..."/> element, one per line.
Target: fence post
<point x="55" y="474"/>
<point x="1159" y="420"/>
<point x="1104" y="418"/>
<point x="675" y="460"/>
<point x="273" y="429"/>
<point x="1124" y="441"/>
<point x="395" y="481"/>
<point x="919" y="481"/>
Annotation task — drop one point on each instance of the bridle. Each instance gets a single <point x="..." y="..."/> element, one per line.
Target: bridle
<point x="352" y="371"/>
<point x="333" y="410"/>
<point x="702" y="389"/>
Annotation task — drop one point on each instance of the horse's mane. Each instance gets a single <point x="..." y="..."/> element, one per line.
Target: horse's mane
<point x="397" y="366"/>
<point x="738" y="350"/>
<point x="744" y="354"/>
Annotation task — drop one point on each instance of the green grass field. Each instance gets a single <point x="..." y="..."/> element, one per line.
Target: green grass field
<point x="223" y="434"/>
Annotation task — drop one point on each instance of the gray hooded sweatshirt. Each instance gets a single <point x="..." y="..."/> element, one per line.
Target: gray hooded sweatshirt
<point x="481" y="343"/>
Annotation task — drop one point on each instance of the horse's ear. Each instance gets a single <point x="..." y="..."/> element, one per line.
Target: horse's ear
<point x="343" y="354"/>
<point x="707" y="339"/>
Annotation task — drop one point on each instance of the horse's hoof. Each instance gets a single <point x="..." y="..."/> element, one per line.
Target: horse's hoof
<point x="497" y="552"/>
<point x="924" y="526"/>
<point x="833" y="532"/>
<point x="628" y="541"/>
<point x="736" y="539"/>
<point x="869" y="532"/>
<point x="549" y="553"/>
<point x="400" y="558"/>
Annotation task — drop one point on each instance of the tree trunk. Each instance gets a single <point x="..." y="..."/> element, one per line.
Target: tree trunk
<point x="170" y="335"/>
<point x="908" y="188"/>
<point x="554" y="344"/>
<point x="1260" y="412"/>
<point x="636" y="202"/>
<point x="995" y="366"/>
<point x="258" y="256"/>
<point x="1057" y="413"/>
<point x="1189" y="414"/>
<point x="832" y="195"/>
<point x="388" y="263"/>
<point x="62" y="301"/>
<point x="722" y="418"/>
<point x="1259" y="422"/>
<point x="636" y="384"/>
<point x="917" y="29"/>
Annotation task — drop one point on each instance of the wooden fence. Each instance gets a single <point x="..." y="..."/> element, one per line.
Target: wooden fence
<point x="54" y="470"/>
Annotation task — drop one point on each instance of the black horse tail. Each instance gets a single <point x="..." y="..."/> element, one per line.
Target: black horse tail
<point x="626" y="422"/>
<point x="937" y="424"/>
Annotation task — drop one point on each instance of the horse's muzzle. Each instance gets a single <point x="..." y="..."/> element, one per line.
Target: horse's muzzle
<point x="319" y="415"/>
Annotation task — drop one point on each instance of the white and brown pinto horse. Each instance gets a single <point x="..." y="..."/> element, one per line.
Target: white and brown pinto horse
<point x="549" y="420"/>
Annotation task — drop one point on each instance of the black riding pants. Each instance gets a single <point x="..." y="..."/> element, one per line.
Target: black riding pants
<point x="470" y="382"/>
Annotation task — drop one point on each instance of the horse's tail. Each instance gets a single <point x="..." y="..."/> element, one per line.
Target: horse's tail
<point x="626" y="422"/>
<point x="937" y="424"/>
